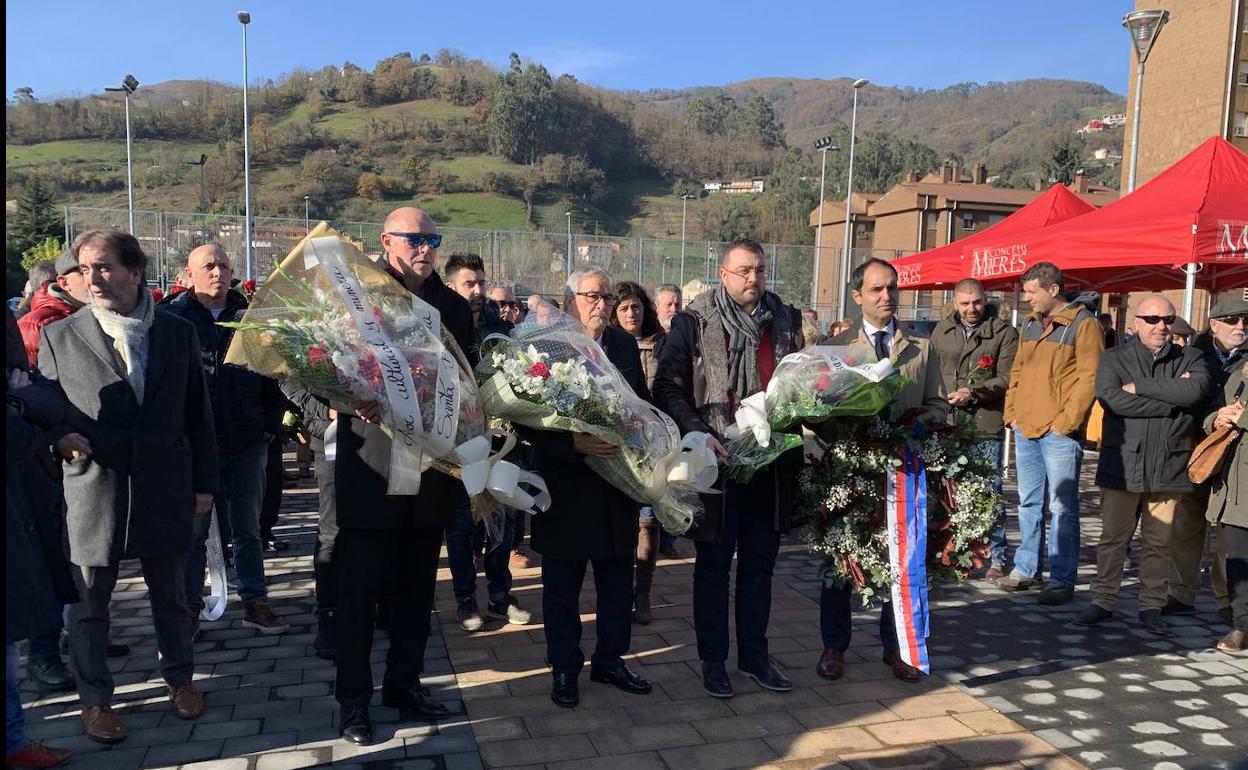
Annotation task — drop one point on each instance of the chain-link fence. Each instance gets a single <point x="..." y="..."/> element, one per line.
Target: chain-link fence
<point x="536" y="262"/>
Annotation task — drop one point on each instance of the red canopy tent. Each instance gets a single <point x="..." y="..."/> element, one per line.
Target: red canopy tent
<point x="946" y="265"/>
<point x="1196" y="211"/>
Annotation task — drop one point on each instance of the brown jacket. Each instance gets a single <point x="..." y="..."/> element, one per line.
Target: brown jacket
<point x="916" y="360"/>
<point x="1228" y="500"/>
<point x="1053" y="383"/>
<point x="960" y="355"/>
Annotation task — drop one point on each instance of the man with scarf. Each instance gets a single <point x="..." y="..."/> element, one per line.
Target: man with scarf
<point x="55" y="300"/>
<point x="139" y="464"/>
<point x="722" y="349"/>
<point x="874" y="287"/>
<point x="387" y="546"/>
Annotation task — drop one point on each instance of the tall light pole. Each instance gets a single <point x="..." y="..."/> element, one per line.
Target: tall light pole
<point x="1144" y="27"/>
<point x="849" y="194"/>
<point x="244" y="18"/>
<point x="822" y="145"/>
<point x="684" y="203"/>
<point x="569" y="216"/>
<point x="128" y="86"/>
<point x="307" y="214"/>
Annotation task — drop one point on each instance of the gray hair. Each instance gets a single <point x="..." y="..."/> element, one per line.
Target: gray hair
<point x="670" y="288"/>
<point x="580" y="274"/>
<point x="40" y="273"/>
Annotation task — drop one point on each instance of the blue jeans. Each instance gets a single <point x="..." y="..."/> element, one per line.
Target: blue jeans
<point x="459" y="551"/>
<point x="242" y="485"/>
<point x="996" y="536"/>
<point x="1048" y="472"/>
<point x="14" y="721"/>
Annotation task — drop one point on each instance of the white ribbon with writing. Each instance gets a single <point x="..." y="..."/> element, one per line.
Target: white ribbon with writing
<point x="403" y="415"/>
<point x="214" y="603"/>
<point x="483" y="471"/>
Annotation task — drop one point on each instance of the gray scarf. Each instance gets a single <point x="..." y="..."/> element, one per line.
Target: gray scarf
<point x="745" y="333"/>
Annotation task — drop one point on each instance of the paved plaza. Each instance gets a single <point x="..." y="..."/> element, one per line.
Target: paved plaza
<point x="1015" y="685"/>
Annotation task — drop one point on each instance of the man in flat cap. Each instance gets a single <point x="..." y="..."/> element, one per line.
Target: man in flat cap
<point x="54" y="299"/>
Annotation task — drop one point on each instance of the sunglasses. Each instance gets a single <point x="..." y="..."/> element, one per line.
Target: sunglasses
<point x="416" y="240"/>
<point x="1153" y="320"/>
<point x="507" y="303"/>
<point x="1233" y="320"/>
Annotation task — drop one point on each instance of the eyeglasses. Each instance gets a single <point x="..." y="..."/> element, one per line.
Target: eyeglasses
<point x="594" y="297"/>
<point x="1234" y="320"/>
<point x="416" y="240"/>
<point x="1153" y="320"/>
<point x="746" y="272"/>
<point x="507" y="303"/>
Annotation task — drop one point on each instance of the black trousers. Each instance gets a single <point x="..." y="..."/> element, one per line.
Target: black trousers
<point x="561" y="599"/>
<point x="401" y="565"/>
<point x="749" y="531"/>
<point x="836" y="625"/>
<point x="1236" y="539"/>
<point x="165" y="577"/>
<point x="274" y="480"/>
<point x="326" y="537"/>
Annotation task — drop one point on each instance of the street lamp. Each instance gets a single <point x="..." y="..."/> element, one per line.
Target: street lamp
<point x="128" y="86"/>
<point x="822" y="145"/>
<point x="569" y="216"/>
<point x="684" y="201"/>
<point x="849" y="194"/>
<point x="307" y="214"/>
<point x="203" y="204"/>
<point x="244" y="18"/>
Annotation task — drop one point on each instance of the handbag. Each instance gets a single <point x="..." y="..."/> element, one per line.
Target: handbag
<point x="1209" y="455"/>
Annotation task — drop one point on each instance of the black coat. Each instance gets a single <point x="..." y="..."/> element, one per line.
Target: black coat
<point x="588" y="518"/>
<point x="245" y="405"/>
<point x="1149" y="435"/>
<point x="37" y="578"/>
<point x="362" y="467"/>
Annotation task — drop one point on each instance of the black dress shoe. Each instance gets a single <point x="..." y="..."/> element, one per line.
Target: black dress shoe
<point x="414" y="703"/>
<point x="564" y="692"/>
<point x="715" y="680"/>
<point x="50" y="674"/>
<point x="767" y="676"/>
<point x="355" y="726"/>
<point x="622" y="679"/>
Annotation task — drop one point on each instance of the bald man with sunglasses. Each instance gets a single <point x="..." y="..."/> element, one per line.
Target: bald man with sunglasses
<point x="1152" y="391"/>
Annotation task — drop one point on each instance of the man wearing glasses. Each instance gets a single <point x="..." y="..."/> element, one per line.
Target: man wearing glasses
<point x="589" y="520"/>
<point x="1223" y="346"/>
<point x="508" y="308"/>
<point x="722" y="349"/>
<point x="1152" y="390"/>
<point x="388" y="545"/>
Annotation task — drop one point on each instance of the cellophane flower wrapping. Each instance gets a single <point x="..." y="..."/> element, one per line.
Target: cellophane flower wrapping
<point x="320" y="330"/>
<point x="809" y="387"/>
<point x="549" y="374"/>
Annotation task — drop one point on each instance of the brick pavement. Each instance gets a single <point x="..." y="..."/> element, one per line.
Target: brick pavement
<point x="1055" y="696"/>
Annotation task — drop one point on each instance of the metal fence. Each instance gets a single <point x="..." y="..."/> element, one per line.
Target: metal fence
<point x="535" y="261"/>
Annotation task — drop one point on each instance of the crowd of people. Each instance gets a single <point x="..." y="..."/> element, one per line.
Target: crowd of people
<point x="129" y="430"/>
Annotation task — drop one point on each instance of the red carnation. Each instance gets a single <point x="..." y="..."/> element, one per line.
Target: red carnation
<point x="317" y="356"/>
<point x="157" y="296"/>
<point x="985" y="362"/>
<point x="539" y="369"/>
<point x="249" y="286"/>
<point x="823" y="382"/>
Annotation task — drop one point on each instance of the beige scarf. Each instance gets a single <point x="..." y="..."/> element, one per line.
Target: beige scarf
<point x="128" y="333"/>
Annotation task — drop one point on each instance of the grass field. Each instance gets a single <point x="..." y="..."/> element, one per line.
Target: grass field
<point x="352" y="122"/>
<point x="19" y="156"/>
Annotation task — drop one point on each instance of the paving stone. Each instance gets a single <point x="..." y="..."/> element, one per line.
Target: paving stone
<point x="719" y="756"/>
<point x="645" y="738"/>
<point x="182" y="753"/>
<point x="822" y="743"/>
<point x="292" y="760"/>
<point x="537" y="750"/>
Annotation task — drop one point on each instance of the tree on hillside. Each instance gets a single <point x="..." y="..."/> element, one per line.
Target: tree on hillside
<point x="758" y="122"/>
<point x="1063" y="159"/>
<point x="726" y="218"/>
<point x="520" y="109"/>
<point x="712" y="114"/>
<point x="792" y="193"/>
<point x="35" y="220"/>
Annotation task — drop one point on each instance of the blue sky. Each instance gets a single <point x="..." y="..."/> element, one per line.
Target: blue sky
<point x="75" y="47"/>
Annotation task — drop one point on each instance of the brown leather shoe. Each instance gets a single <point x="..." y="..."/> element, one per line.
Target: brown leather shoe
<point x="188" y="702"/>
<point x="831" y="664"/>
<point x="101" y="725"/>
<point x="1234" y="643"/>
<point x="902" y="670"/>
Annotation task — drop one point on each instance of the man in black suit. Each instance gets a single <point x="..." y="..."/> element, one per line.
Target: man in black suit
<point x="387" y="545"/>
<point x="589" y="520"/>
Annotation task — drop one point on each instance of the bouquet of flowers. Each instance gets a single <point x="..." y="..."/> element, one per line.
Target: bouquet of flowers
<point x="807" y="387"/>
<point x="843" y="494"/>
<point x="336" y="324"/>
<point x="549" y="374"/>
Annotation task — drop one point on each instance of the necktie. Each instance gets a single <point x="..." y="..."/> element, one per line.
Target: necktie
<point x="881" y="345"/>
